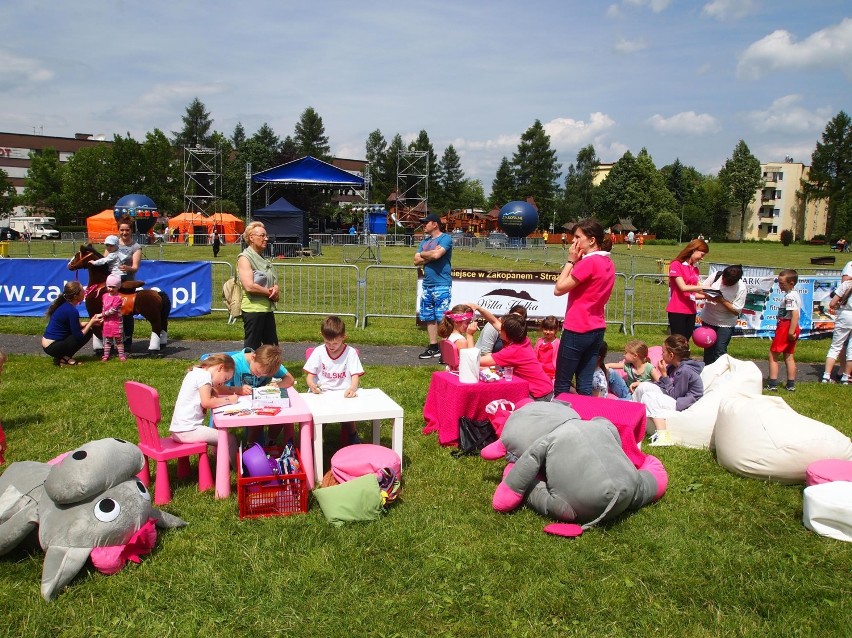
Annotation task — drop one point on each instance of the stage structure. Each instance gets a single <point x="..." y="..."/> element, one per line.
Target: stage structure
<point x="412" y="185"/>
<point x="202" y="179"/>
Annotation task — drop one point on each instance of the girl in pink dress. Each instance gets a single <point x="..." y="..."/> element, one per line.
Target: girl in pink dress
<point x="684" y="288"/>
<point x="112" y="328"/>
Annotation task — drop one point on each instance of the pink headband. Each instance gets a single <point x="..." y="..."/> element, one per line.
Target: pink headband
<point x="460" y="316"/>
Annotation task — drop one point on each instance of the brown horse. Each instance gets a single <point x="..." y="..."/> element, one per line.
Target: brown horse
<point x="151" y="304"/>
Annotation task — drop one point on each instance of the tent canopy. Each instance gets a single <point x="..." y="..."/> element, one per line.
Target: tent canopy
<point x="100" y="225"/>
<point x="229" y="226"/>
<point x="283" y="221"/>
<point x="309" y="171"/>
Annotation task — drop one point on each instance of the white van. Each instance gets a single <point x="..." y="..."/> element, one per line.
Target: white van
<point x="38" y="227"/>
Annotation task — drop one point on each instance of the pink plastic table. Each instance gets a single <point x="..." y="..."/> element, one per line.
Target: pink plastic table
<point x="628" y="417"/>
<point x="449" y="399"/>
<point x="297" y="413"/>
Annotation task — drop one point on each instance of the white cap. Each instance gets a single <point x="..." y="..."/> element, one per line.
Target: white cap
<point x="111" y="240"/>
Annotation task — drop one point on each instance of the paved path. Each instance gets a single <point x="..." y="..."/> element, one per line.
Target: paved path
<point x="370" y="355"/>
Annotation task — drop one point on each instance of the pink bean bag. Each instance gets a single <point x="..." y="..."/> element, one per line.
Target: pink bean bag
<point x="353" y="461"/>
<point x="828" y="470"/>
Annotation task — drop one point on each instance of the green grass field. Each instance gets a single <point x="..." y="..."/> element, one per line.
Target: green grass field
<point x="719" y="555"/>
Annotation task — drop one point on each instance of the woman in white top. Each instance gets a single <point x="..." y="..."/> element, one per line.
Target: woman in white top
<point x="721" y="311"/>
<point x="841" y="303"/>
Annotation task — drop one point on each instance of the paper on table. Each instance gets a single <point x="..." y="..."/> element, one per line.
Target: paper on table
<point x="243" y="403"/>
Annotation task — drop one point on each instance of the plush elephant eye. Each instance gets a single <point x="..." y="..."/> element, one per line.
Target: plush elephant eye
<point x="79" y="455"/>
<point x="107" y="510"/>
<point x="143" y="490"/>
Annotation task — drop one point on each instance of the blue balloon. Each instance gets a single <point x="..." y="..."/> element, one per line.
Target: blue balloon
<point x="518" y="219"/>
<point x="140" y="208"/>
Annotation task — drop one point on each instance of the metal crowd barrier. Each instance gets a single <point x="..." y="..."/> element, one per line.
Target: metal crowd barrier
<point x="389" y="291"/>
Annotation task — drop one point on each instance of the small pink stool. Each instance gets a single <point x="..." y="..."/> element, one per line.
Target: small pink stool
<point x="828" y="470"/>
<point x="353" y="461"/>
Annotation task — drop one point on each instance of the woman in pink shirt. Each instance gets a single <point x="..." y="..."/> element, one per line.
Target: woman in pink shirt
<point x="587" y="279"/>
<point x="684" y="288"/>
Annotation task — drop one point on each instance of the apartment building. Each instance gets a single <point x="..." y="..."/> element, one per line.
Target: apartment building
<point x="778" y="205"/>
<point x="15" y="149"/>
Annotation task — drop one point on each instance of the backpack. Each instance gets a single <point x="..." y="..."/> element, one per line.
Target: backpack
<point x="473" y="436"/>
<point x="232" y="291"/>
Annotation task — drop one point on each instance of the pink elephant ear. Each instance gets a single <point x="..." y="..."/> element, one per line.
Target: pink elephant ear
<point x="566" y="530"/>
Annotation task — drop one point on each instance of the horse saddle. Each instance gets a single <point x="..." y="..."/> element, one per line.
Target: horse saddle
<point x="130" y="286"/>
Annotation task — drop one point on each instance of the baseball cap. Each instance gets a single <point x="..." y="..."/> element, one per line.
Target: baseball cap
<point x="430" y="218"/>
<point x="111" y="240"/>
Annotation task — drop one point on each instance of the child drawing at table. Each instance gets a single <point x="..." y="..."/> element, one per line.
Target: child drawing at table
<point x="636" y="365"/>
<point x="203" y="389"/>
<point x="458" y="327"/>
<point x="255" y="369"/>
<point x="113" y="331"/>
<point x="335" y="366"/>
<point x="547" y="346"/>
<point x="517" y="353"/>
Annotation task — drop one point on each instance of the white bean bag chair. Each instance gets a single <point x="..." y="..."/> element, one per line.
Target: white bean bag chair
<point x="763" y="437"/>
<point x="827" y="509"/>
<point x="693" y="427"/>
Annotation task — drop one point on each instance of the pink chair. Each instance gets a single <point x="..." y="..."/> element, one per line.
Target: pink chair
<point x="144" y="404"/>
<point x="655" y="355"/>
<point x="450" y="355"/>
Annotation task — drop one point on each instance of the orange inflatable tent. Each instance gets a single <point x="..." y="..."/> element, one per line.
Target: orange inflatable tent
<point x="101" y="225"/>
<point x="229" y="226"/>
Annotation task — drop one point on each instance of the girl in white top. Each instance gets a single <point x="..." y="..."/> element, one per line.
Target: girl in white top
<point x="458" y="327"/>
<point x="202" y="390"/>
<point x="841" y="303"/>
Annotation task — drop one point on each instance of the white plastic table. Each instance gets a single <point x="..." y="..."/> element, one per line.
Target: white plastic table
<point x="371" y="404"/>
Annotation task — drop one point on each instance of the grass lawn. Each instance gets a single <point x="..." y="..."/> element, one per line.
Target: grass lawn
<point x="720" y="555"/>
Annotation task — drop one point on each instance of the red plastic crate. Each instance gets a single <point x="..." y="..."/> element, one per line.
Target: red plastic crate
<point x="279" y="495"/>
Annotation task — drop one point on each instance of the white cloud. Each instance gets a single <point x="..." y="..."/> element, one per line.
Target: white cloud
<point x="566" y="133"/>
<point x="15" y="70"/>
<point x="165" y="98"/>
<point x="785" y="115"/>
<point x="501" y="143"/>
<point x="613" y="11"/>
<point x="733" y="9"/>
<point x="828" y="48"/>
<point x="685" y="123"/>
<point x="655" y="5"/>
<point x="623" y="45"/>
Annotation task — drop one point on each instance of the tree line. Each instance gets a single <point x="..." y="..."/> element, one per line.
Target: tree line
<point x="673" y="201"/>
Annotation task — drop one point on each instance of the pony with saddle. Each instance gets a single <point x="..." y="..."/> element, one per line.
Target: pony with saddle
<point x="153" y="305"/>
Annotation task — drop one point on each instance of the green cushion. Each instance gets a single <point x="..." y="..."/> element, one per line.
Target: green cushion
<point x="357" y="500"/>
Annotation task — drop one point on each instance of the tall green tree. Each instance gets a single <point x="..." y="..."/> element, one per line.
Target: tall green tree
<point x="86" y="181"/>
<point x="503" y="189"/>
<point x="124" y="172"/>
<point x="536" y="169"/>
<point x="310" y="136"/>
<point x="472" y="194"/>
<point x="391" y="163"/>
<point x="238" y="136"/>
<point x="8" y="195"/>
<point x="741" y="177"/>
<point x="579" y="186"/>
<point x="162" y="173"/>
<point x="196" y="126"/>
<point x="382" y="181"/>
<point x="43" y="186"/>
<point x="682" y="181"/>
<point x="831" y="174"/>
<point x="452" y="180"/>
<point x="713" y="203"/>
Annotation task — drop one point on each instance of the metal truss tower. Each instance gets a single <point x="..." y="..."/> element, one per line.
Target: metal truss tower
<point x="202" y="179"/>
<point x="412" y="179"/>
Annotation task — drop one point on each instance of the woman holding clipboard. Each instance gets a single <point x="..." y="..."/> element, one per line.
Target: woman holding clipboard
<point x="725" y="296"/>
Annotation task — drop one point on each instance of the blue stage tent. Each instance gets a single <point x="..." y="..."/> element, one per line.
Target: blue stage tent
<point x="309" y="171"/>
<point x="283" y="222"/>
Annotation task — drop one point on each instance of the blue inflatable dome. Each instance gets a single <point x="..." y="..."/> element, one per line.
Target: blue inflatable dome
<point x="518" y="219"/>
<point x="135" y="206"/>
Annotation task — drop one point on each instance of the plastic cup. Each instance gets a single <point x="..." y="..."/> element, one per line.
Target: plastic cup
<point x="508" y="373"/>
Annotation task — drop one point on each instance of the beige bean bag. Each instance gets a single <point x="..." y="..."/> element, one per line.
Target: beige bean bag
<point x="763" y="437"/>
<point x="827" y="510"/>
<point x="693" y="427"/>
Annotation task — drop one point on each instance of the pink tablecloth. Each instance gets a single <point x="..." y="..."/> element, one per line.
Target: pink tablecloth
<point x="627" y="416"/>
<point x="448" y="400"/>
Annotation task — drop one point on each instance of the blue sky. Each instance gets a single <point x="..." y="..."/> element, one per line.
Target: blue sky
<point x="684" y="79"/>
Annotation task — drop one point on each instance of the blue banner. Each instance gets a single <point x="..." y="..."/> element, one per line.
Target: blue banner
<point x="29" y="286"/>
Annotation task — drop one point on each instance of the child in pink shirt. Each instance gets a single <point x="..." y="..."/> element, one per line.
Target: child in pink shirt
<point x="112" y="328"/>
<point x="547" y="346"/>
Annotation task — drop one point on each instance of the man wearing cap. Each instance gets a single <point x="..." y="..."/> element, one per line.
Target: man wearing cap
<point x="112" y="259"/>
<point x="434" y="256"/>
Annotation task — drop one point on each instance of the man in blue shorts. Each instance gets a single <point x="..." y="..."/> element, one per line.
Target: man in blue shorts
<point x="434" y="256"/>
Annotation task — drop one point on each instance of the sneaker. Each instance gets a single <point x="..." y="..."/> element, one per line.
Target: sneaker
<point x="661" y="438"/>
<point x="771" y="388"/>
<point x="844" y="380"/>
<point x="826" y="379"/>
<point x="790" y="387"/>
<point x="104" y="359"/>
<point x="441" y="362"/>
<point x="122" y="358"/>
<point x="430" y="352"/>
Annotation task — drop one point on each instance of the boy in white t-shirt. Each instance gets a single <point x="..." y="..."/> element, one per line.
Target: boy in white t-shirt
<point x="335" y="366"/>
<point x="786" y="332"/>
